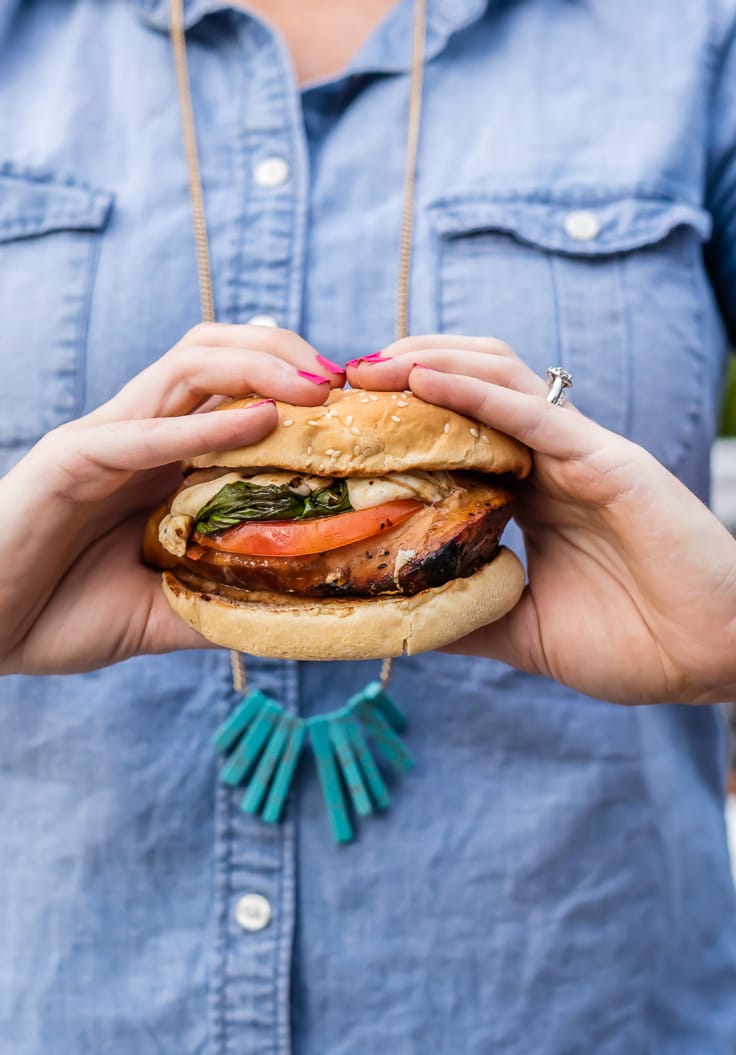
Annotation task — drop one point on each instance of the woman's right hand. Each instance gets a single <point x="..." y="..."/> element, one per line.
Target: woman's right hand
<point x="74" y="594"/>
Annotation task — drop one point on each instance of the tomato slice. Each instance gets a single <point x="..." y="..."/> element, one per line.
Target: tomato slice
<point x="297" y="538"/>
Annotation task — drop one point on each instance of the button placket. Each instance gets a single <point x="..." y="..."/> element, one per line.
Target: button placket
<point x="255" y="861"/>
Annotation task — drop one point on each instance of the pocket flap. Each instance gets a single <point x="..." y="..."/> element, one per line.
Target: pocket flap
<point x="33" y="205"/>
<point x="576" y="226"/>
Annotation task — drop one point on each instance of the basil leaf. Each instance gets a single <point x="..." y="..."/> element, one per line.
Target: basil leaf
<point x="241" y="501"/>
<point x="327" y="501"/>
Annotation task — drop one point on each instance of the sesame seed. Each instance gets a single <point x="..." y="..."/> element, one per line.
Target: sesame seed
<point x="394" y="396"/>
<point x="474" y="433"/>
<point x="397" y="420"/>
<point x="356" y="449"/>
<point x="364" y="400"/>
<point x="407" y="392"/>
<point x="309" y="462"/>
<point x="311" y="421"/>
<point x="310" y="450"/>
<point x="372" y="397"/>
<point x="402" y="403"/>
<point x="349" y="420"/>
<point x="446" y="426"/>
<point x="336" y="454"/>
<point x="355" y="430"/>
<point x="485" y="438"/>
<point x="287" y="421"/>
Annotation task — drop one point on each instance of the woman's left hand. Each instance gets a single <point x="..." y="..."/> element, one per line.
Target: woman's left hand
<point x="631" y="591"/>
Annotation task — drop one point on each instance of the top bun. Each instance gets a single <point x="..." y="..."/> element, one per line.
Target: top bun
<point x="360" y="433"/>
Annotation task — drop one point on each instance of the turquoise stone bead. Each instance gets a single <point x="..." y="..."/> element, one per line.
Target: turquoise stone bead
<point x="337" y="812"/>
<point x="233" y="726"/>
<point x="285" y="773"/>
<point x="374" y="694"/>
<point x="247" y="751"/>
<point x="259" y="782"/>
<point x="386" y="739"/>
<point x="374" y="780"/>
<point x="350" y="770"/>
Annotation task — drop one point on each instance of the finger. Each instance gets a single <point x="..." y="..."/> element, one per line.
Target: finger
<point x="184" y="378"/>
<point x="560" y="432"/>
<point x="272" y="340"/>
<point x="84" y="452"/>
<point x="498" y="369"/>
<point x="514" y="639"/>
<point x="430" y="341"/>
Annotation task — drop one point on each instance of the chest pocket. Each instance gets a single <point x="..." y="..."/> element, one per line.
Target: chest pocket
<point x="613" y="291"/>
<point x="49" y="241"/>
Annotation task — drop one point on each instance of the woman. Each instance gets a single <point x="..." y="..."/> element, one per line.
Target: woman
<point x="554" y="876"/>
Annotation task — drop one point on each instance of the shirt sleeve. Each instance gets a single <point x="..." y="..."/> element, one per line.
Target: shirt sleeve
<point x="720" y="190"/>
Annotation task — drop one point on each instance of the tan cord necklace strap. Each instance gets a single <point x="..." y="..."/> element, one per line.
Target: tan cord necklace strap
<point x="419" y="34"/>
<point x="201" y="242"/>
<point x="204" y="273"/>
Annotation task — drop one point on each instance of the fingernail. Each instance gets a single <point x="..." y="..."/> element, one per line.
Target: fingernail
<point x="328" y="364"/>
<point x="314" y="378"/>
<point x="260" y="403"/>
<point x="376" y="357"/>
<point x="422" y="366"/>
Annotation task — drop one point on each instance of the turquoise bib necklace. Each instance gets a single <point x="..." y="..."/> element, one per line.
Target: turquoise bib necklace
<point x="262" y="741"/>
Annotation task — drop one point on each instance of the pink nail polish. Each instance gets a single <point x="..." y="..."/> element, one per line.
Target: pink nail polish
<point x="375" y="357"/>
<point x="314" y="378"/>
<point x="260" y="403"/>
<point x="328" y="364"/>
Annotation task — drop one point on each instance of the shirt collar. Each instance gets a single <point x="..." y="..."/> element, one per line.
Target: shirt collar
<point x="387" y="50"/>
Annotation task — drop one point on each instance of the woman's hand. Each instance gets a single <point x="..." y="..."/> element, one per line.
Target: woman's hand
<point x="632" y="581"/>
<point x="73" y="592"/>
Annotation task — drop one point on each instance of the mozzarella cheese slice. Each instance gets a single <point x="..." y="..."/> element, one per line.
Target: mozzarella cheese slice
<point x="374" y="490"/>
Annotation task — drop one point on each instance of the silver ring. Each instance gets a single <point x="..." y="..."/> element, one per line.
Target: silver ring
<point x="558" y="380"/>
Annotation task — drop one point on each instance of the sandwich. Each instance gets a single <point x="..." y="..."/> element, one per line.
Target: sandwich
<point x="364" y="528"/>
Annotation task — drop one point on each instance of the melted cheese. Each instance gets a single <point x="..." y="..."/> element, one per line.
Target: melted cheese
<point x="374" y="490"/>
<point x="189" y="501"/>
<point x="173" y="532"/>
<point x="302" y="485"/>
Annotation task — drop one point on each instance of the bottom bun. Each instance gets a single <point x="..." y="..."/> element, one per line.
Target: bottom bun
<point x="292" y="627"/>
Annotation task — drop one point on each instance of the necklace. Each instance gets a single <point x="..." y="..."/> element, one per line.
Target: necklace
<point x="263" y="741"/>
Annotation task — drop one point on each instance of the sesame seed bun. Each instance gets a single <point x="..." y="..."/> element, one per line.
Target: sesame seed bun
<point x="359" y="433"/>
<point x="291" y="627"/>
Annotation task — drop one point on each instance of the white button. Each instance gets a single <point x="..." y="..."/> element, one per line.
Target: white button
<point x="253" y="912"/>
<point x="262" y="320"/>
<point x="583" y="226"/>
<point x="271" y="172"/>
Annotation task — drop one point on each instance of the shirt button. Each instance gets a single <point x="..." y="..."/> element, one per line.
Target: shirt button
<point x="252" y="912"/>
<point x="271" y="172"/>
<point x="582" y="225"/>
<point x="262" y="320"/>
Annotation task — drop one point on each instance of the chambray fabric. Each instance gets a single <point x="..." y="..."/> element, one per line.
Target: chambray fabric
<point x="552" y="879"/>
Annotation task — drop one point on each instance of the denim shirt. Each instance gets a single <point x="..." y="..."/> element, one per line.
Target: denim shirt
<point x="552" y="878"/>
